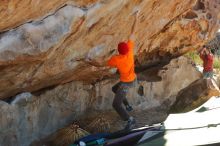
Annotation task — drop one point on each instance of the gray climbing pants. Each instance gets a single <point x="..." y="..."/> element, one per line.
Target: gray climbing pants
<point x="121" y="89"/>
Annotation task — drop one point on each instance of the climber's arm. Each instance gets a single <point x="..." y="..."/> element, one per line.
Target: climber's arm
<point x="134" y="25"/>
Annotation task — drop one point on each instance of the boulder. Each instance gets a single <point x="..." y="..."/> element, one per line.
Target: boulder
<point x="47" y="43"/>
<point x="194" y="95"/>
<point x="33" y="116"/>
<point x="48" y="82"/>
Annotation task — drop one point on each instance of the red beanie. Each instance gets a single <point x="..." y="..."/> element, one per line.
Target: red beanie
<point x="123" y="48"/>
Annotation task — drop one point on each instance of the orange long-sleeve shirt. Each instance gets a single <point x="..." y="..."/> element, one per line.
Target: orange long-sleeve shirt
<point x="124" y="64"/>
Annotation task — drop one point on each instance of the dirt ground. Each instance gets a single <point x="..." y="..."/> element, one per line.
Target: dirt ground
<point x="108" y="121"/>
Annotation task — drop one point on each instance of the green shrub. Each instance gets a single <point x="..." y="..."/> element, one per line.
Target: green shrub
<point x="195" y="57"/>
<point x="216" y="63"/>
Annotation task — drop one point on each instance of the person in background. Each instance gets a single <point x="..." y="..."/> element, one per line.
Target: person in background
<point x="207" y="58"/>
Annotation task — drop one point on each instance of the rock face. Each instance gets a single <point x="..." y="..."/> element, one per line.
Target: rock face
<point x="44" y="51"/>
<point x="46" y="43"/>
<point x="194" y="95"/>
<point x="32" y="117"/>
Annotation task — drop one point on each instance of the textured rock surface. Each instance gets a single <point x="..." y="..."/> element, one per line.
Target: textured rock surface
<point x="45" y="43"/>
<point x="15" y="12"/>
<point x="194" y="96"/>
<point x="44" y="46"/>
<point x="32" y="117"/>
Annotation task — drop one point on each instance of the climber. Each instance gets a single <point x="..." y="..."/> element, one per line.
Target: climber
<point x="207" y="58"/>
<point x="124" y="62"/>
<point x="125" y="101"/>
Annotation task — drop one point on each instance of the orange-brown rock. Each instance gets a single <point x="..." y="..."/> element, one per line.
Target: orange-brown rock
<point x="194" y="96"/>
<point x="17" y="12"/>
<point x="31" y="117"/>
<point x="45" y="43"/>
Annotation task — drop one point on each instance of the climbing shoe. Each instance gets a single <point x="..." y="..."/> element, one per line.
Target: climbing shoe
<point x="130" y="124"/>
